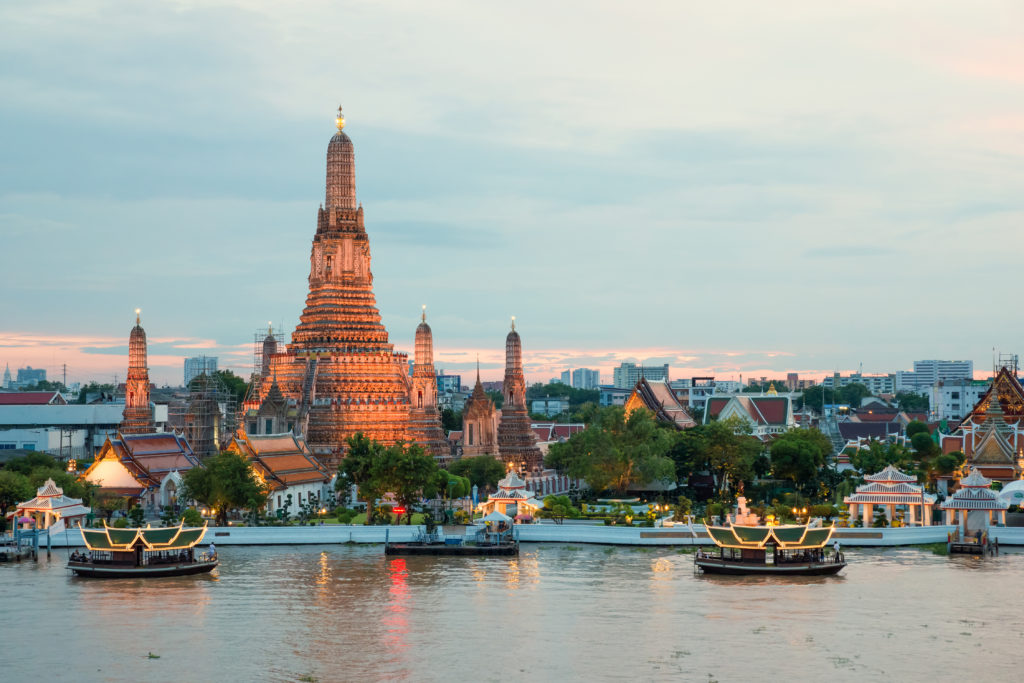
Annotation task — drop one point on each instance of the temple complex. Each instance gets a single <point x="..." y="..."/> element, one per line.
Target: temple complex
<point x="517" y="444"/>
<point x="340" y="369"/>
<point x="974" y="505"/>
<point x="892" y="490"/>
<point x="479" y="422"/>
<point x="424" y="418"/>
<point x="138" y="416"/>
<point x="991" y="437"/>
<point x="657" y="397"/>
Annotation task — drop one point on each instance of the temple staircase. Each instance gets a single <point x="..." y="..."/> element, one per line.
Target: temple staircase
<point x="308" y="393"/>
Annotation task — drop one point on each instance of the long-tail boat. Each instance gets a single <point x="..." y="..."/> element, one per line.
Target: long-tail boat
<point x="142" y="552"/>
<point x="791" y="550"/>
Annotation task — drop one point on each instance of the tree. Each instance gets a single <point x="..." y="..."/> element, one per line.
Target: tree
<point x="731" y="452"/>
<point x="799" y="454"/>
<point x="44" y="385"/>
<point x="223" y="482"/>
<point x="497" y="397"/>
<point x="136" y="516"/>
<point x="482" y="471"/>
<point x="14" y="488"/>
<point x="923" y="445"/>
<point x="32" y="461"/>
<point x="911" y="402"/>
<point x="408" y="472"/>
<point x="450" y="420"/>
<point x="853" y="393"/>
<point x="878" y="455"/>
<point x="615" y="452"/>
<point x="94" y="388"/>
<point x="108" y="503"/>
<point x="357" y="468"/>
<point x="559" y="507"/>
<point x="916" y="427"/>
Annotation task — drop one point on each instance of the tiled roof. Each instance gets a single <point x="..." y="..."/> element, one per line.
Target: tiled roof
<point x="31" y="398"/>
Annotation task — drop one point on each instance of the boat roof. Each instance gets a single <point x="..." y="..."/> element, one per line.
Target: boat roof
<point x="786" y="537"/>
<point x="161" y="538"/>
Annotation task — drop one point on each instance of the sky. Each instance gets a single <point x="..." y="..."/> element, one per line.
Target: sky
<point x="742" y="189"/>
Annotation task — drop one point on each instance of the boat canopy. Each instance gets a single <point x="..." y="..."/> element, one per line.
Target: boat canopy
<point x="789" y="537"/>
<point x="153" y="539"/>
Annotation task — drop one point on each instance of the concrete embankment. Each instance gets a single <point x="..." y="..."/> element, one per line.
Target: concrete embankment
<point x="549" y="533"/>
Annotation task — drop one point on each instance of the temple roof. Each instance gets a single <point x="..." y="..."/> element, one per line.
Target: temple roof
<point x="31" y="398"/>
<point x="659" y="398"/>
<point x="147" y="458"/>
<point x="891" y="474"/>
<point x="153" y="539"/>
<point x="789" y="537"/>
<point x="762" y="410"/>
<point x="281" y="460"/>
<point x="50" y="497"/>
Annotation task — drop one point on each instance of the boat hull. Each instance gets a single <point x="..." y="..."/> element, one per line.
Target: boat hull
<point x="439" y="549"/>
<point x="93" y="571"/>
<point x="716" y="566"/>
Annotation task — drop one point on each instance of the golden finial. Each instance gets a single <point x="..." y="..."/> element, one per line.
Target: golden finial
<point x="270" y="328"/>
<point x="138" y="312"/>
<point x="424" y="316"/>
<point x="513" y="323"/>
<point x="339" y="120"/>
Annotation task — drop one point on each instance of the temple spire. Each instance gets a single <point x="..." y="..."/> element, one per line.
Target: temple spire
<point x="424" y="316"/>
<point x="138" y="314"/>
<point x="341" y="169"/>
<point x="339" y="120"/>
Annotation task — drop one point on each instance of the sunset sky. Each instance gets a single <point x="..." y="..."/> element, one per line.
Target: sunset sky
<point x="744" y="189"/>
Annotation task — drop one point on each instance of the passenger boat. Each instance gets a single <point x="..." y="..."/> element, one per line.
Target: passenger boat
<point x="501" y="542"/>
<point x="149" y="552"/>
<point x="790" y="550"/>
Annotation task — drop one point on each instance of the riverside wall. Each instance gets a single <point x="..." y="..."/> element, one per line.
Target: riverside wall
<point x="547" y="533"/>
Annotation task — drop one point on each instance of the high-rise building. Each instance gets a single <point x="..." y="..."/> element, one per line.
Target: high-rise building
<point x="138" y="416"/>
<point x="566" y="377"/>
<point x="517" y="444"/>
<point x="29" y="375"/>
<point x="927" y="372"/>
<point x="447" y="384"/>
<point x="198" y="366"/>
<point x="628" y="374"/>
<point x="7" y="377"/>
<point x="585" y="378"/>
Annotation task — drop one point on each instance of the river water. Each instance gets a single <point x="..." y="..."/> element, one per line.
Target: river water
<point x="558" y="612"/>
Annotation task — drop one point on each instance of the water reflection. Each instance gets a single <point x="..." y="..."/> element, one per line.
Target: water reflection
<point x="349" y="613"/>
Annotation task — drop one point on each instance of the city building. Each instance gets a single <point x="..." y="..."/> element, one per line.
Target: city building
<point x="424" y="417"/>
<point x="67" y="432"/>
<point x="28" y="376"/>
<point x="549" y="405"/>
<point x="628" y="374"/>
<point x="284" y="463"/>
<point x="566" y="378"/>
<point x="198" y="366"/>
<point x="927" y="372"/>
<point x="585" y="378"/>
<point x="876" y="384"/>
<point x="138" y="414"/>
<point x="447" y="383"/>
<point x="32" y="398"/>
<point x="613" y="396"/>
<point x="340" y="367"/>
<point x="953" y="399"/>
<point x="7" y="381"/>
<point x="517" y="444"/>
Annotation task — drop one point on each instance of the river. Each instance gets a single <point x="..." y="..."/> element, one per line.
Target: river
<point x="558" y="612"/>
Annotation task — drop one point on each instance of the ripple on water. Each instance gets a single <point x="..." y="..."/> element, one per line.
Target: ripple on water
<point x="348" y="612"/>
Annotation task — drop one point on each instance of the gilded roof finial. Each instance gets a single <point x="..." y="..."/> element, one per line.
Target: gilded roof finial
<point x="270" y="328"/>
<point x="339" y="120"/>
<point x="513" y="323"/>
<point x="424" y="316"/>
<point x="138" y="312"/>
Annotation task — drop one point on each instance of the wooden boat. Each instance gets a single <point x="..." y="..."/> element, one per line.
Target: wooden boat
<point x="789" y="550"/>
<point x="149" y="552"/>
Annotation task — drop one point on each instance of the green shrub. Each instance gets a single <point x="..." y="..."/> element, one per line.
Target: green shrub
<point x="121" y="523"/>
<point x="192" y="517"/>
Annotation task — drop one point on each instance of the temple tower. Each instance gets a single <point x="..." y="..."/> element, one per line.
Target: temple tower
<point x="517" y="444"/>
<point x="479" y="422"/>
<point x="424" y="418"/>
<point x="340" y="370"/>
<point x="138" y="417"/>
<point x="267" y="353"/>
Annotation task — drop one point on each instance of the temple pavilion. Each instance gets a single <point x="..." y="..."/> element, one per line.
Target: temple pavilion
<point x="893" y="490"/>
<point x="51" y="505"/>
<point x="512" y="498"/>
<point x="974" y="505"/>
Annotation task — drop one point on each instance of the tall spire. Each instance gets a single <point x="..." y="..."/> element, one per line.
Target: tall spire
<point x="341" y="169"/>
<point x="138" y="417"/>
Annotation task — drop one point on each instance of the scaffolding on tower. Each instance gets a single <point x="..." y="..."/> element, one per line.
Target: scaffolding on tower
<point x="211" y="416"/>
